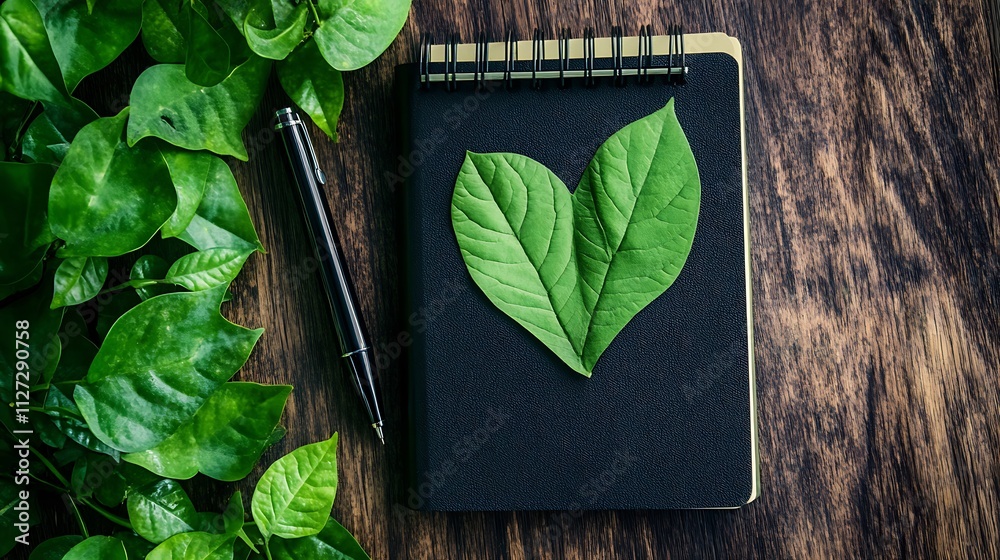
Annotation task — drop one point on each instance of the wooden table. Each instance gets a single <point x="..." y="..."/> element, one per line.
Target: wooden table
<point x="874" y="141"/>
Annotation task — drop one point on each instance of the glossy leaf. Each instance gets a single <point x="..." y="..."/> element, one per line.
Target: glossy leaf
<point x="107" y="198"/>
<point x="194" y="546"/>
<point x="274" y="35"/>
<point x="28" y="67"/>
<point x="84" y="40"/>
<point x="295" y="495"/>
<point x="162" y="22"/>
<point x="222" y="218"/>
<point x="190" y="173"/>
<point x="354" y="33"/>
<point x="78" y="279"/>
<point x="207" y="60"/>
<point x="55" y="548"/>
<point x="333" y="542"/>
<point x="314" y="86"/>
<point x="207" y="269"/>
<point x="70" y="422"/>
<point x="574" y="269"/>
<point x="134" y="399"/>
<point x="97" y="548"/>
<point x="161" y="510"/>
<point x="166" y="105"/>
<point x="150" y="267"/>
<point x="224" y="439"/>
<point x="48" y="137"/>
<point x="24" y="229"/>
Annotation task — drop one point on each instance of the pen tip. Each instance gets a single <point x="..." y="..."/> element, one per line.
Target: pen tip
<point x="378" y="431"/>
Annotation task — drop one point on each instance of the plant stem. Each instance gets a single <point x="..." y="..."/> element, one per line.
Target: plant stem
<point x="137" y="283"/>
<point x="49" y="484"/>
<point x="39" y="387"/>
<point x="312" y="6"/>
<point x="267" y="551"/>
<point x="79" y="518"/>
<point x="107" y="514"/>
<point x="55" y="472"/>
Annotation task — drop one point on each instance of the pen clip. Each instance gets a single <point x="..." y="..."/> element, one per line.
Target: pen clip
<point x="320" y="176"/>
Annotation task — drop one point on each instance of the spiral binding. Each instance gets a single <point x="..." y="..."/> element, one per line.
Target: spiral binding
<point x="563" y="56"/>
<point x="672" y="64"/>
<point x="537" y="56"/>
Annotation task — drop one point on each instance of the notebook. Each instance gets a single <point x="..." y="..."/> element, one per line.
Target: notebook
<point x="496" y="420"/>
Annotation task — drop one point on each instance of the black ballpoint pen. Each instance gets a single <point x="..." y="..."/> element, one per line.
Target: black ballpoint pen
<point x="336" y="280"/>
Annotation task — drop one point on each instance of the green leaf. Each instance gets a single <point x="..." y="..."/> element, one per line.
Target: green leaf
<point x="97" y="548"/>
<point x="207" y="269"/>
<point x="167" y="105"/>
<point x="28" y="67"/>
<point x="77" y="350"/>
<point x="85" y="40"/>
<point x="224" y="439"/>
<point x="150" y="267"/>
<point x="32" y="278"/>
<point x="206" y="62"/>
<point x="56" y="548"/>
<point x="78" y="279"/>
<point x="190" y="173"/>
<point x="160" y="510"/>
<point x="274" y="35"/>
<point x="136" y="546"/>
<point x="162" y="22"/>
<point x="48" y="137"/>
<point x="234" y="515"/>
<point x="112" y="491"/>
<point x="314" y="86"/>
<point x="295" y="495"/>
<point x="70" y="422"/>
<point x="354" y="32"/>
<point x="222" y="218"/>
<point x="574" y="269"/>
<point x="95" y="474"/>
<point x="333" y="542"/>
<point x="24" y="228"/>
<point x="13" y="111"/>
<point x="134" y="398"/>
<point x="107" y="198"/>
<point x="116" y="306"/>
<point x="194" y="546"/>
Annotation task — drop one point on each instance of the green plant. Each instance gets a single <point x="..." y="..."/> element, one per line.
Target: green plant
<point x="126" y="378"/>
<point x="574" y="269"/>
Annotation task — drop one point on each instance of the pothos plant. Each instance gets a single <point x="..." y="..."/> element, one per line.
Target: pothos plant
<point x="123" y="378"/>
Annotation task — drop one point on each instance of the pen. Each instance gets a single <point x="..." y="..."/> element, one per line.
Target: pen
<point x="339" y="288"/>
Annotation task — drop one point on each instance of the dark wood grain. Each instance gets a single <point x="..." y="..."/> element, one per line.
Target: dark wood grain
<point x="874" y="141"/>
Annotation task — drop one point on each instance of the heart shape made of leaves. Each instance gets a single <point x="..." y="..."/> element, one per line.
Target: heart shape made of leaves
<point x="574" y="269"/>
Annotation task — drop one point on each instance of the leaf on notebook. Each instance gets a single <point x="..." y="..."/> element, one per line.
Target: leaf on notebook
<point x="574" y="269"/>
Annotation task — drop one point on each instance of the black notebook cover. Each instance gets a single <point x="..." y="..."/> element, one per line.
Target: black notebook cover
<point x="497" y="421"/>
